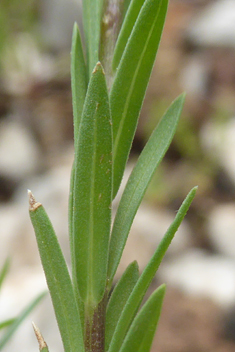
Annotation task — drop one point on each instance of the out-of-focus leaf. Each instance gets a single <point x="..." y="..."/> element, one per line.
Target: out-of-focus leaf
<point x="58" y="279"/>
<point x="118" y="299"/>
<point x="141" y="175"/>
<point x="19" y="319"/>
<point x="131" y="79"/>
<point x="141" y="333"/>
<point x="6" y="323"/>
<point x="4" y="271"/>
<point x="93" y="191"/>
<point x="135" y="299"/>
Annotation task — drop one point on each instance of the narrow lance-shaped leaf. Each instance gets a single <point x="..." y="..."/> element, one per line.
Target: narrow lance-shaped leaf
<point x="146" y="277"/>
<point x="92" y="11"/>
<point x="93" y="191"/>
<point x="71" y="240"/>
<point x="131" y="79"/>
<point x="141" y="333"/>
<point x="70" y="219"/>
<point x="125" y="32"/>
<point x="78" y="79"/>
<point x="4" y="271"/>
<point x="79" y="87"/>
<point x="141" y="175"/>
<point x="118" y="299"/>
<point x="19" y="319"/>
<point x="58" y="279"/>
<point x="6" y="323"/>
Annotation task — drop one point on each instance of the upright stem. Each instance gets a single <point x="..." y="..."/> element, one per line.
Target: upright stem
<point x="110" y="27"/>
<point x="95" y="327"/>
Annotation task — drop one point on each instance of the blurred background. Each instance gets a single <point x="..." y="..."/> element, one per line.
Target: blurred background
<point x="196" y="55"/>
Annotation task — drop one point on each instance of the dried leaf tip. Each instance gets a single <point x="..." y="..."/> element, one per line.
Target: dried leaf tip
<point x="98" y="67"/>
<point x="41" y="341"/>
<point x="33" y="204"/>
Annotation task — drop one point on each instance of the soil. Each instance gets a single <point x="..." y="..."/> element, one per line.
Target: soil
<point x="191" y="325"/>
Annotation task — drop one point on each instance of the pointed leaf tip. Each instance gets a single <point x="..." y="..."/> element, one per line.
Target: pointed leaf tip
<point x="98" y="67"/>
<point x="33" y="204"/>
<point x="41" y="341"/>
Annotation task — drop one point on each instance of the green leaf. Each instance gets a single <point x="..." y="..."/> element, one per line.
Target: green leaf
<point x="71" y="240"/>
<point x="79" y="88"/>
<point x="146" y="277"/>
<point x="141" y="175"/>
<point x="126" y="4"/>
<point x="6" y="323"/>
<point x="78" y="79"/>
<point x="70" y="219"/>
<point x="118" y="300"/>
<point x="130" y="19"/>
<point x="44" y="349"/>
<point x="58" y="279"/>
<point x="92" y="12"/>
<point x="140" y="336"/>
<point x="131" y="79"/>
<point x="4" y="271"/>
<point x="18" y="320"/>
<point x="93" y="191"/>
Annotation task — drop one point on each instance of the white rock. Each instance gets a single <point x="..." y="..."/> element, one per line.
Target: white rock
<point x="217" y="139"/>
<point x="23" y="65"/>
<point x="10" y="220"/>
<point x="17" y="235"/>
<point x="57" y="19"/>
<point x="129" y="167"/>
<point x="201" y="274"/>
<point x="52" y="190"/>
<point x="26" y="278"/>
<point x="221" y="229"/>
<point x="148" y="229"/>
<point x="19" y="153"/>
<point x="151" y="224"/>
<point x="17" y="293"/>
<point x="215" y="26"/>
<point x="194" y="75"/>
